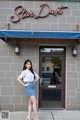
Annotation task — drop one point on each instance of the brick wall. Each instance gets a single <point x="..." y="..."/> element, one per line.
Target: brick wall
<point x="12" y="95"/>
<point x="67" y="21"/>
<point x="73" y="80"/>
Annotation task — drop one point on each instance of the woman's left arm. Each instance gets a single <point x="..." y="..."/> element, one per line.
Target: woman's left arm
<point x="36" y="77"/>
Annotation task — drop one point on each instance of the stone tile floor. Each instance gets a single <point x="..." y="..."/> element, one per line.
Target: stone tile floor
<point x="47" y="115"/>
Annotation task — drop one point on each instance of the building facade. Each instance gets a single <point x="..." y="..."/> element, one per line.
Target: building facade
<point x="52" y="58"/>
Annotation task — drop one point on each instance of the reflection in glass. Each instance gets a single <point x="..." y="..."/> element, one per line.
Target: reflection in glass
<point x="51" y="76"/>
<point x="51" y="70"/>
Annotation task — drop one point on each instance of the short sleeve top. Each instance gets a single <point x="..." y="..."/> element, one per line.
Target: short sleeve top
<point x="27" y="76"/>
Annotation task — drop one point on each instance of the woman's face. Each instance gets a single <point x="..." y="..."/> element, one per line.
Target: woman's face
<point x="28" y="65"/>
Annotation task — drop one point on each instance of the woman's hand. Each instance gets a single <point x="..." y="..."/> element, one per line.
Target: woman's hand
<point x="26" y="85"/>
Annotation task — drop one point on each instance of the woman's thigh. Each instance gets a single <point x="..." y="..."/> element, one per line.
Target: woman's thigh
<point x="33" y="99"/>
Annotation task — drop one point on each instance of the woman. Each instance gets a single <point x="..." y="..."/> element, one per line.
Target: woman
<point x="28" y="78"/>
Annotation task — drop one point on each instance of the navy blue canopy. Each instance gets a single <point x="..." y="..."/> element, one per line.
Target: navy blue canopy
<point x="40" y="34"/>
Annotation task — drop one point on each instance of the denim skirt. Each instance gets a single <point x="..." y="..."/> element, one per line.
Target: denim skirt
<point x="30" y="90"/>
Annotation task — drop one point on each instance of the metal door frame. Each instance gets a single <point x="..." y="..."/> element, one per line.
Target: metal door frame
<point x="63" y="72"/>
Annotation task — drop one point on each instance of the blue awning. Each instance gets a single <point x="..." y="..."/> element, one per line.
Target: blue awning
<point x="40" y="34"/>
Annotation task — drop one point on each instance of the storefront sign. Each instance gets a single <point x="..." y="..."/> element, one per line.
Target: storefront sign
<point x="20" y="12"/>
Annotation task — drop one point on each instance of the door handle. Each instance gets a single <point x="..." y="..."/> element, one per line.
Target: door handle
<point x="51" y="86"/>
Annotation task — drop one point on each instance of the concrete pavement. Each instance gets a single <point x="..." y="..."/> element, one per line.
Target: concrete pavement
<point x="47" y="115"/>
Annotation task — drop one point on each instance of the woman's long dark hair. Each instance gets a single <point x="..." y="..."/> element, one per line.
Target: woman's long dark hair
<point x="31" y="69"/>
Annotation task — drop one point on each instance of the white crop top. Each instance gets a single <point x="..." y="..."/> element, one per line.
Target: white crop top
<point x="27" y="76"/>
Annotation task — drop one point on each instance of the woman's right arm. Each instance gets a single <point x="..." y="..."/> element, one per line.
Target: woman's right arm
<point x="20" y="79"/>
<point x="21" y="82"/>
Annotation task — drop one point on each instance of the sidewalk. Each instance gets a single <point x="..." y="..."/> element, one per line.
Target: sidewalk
<point x="47" y="115"/>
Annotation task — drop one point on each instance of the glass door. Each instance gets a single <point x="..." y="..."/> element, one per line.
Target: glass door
<point x="52" y="78"/>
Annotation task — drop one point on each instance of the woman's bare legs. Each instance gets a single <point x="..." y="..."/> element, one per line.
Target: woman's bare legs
<point x="29" y="110"/>
<point x="34" y="102"/>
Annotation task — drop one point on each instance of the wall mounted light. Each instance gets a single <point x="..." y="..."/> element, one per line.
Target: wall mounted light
<point x="17" y="49"/>
<point x="74" y="51"/>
